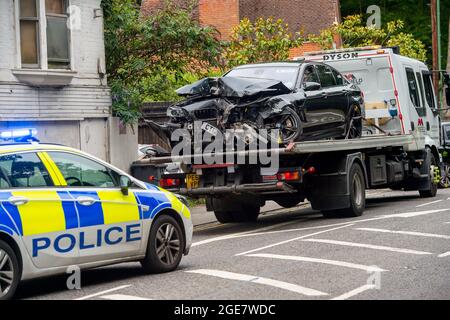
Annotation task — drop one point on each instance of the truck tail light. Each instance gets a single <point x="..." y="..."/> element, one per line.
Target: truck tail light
<point x="168" y="183"/>
<point x="289" y="176"/>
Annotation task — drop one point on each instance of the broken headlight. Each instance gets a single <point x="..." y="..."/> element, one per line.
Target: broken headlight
<point x="176" y="112"/>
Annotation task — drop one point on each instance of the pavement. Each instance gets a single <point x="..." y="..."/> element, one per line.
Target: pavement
<point x="399" y="249"/>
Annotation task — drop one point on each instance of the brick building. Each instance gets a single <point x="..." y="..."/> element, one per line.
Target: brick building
<point x="309" y="16"/>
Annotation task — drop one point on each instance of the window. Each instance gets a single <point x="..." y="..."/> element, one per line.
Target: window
<point x="326" y="76"/>
<point x="29" y="31"/>
<point x="339" y="78"/>
<point x="24" y="170"/>
<point x="429" y="90"/>
<point x="55" y="37"/>
<point x="79" y="171"/>
<point x="414" y="91"/>
<point x="310" y="75"/>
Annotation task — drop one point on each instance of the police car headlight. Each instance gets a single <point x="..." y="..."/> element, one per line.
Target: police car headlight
<point x="182" y="199"/>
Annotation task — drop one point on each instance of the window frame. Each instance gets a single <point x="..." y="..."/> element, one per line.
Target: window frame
<point x="35" y="152"/>
<point x="42" y="39"/>
<point x="302" y="78"/>
<point x="332" y="75"/>
<point x="420" y="109"/>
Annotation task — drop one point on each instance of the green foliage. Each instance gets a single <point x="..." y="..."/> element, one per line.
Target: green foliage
<point x="147" y="56"/>
<point x="262" y="41"/>
<point x="355" y="33"/>
<point x="415" y="14"/>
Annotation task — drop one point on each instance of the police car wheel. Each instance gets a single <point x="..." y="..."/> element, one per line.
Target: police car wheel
<point x="9" y="271"/>
<point x="165" y="246"/>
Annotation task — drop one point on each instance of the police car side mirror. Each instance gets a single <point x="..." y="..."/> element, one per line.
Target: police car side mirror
<point x="125" y="183"/>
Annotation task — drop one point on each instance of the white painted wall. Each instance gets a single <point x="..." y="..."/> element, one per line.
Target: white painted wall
<point x="77" y="115"/>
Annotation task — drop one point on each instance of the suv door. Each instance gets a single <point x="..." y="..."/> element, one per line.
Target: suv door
<point x="29" y="198"/>
<point x="110" y="222"/>
<point x="335" y="107"/>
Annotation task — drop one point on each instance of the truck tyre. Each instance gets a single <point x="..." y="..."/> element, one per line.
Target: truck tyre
<point x="165" y="246"/>
<point x="431" y="193"/>
<point x="10" y="272"/>
<point x="357" y="195"/>
<point x="287" y="202"/>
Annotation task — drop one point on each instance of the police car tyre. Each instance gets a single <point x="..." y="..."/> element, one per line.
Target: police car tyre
<point x="165" y="246"/>
<point x="9" y="271"/>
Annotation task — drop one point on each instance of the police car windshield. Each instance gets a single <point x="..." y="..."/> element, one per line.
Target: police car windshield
<point x="286" y="74"/>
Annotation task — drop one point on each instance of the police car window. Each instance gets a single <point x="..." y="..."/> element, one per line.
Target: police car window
<point x="414" y="91"/>
<point x="82" y="172"/>
<point x="23" y="170"/>
<point x="326" y="76"/>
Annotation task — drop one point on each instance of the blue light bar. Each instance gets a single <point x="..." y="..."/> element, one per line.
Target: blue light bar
<point x="28" y="134"/>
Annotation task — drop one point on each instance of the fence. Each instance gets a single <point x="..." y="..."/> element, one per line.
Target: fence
<point x="156" y="111"/>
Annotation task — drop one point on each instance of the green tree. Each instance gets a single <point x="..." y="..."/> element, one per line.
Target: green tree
<point x="354" y="33"/>
<point x="260" y="41"/>
<point x="149" y="56"/>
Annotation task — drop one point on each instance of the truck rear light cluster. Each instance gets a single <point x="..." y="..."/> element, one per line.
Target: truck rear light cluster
<point x="168" y="183"/>
<point x="289" y="176"/>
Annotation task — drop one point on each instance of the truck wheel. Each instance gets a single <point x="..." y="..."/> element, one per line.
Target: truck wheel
<point x="232" y="210"/>
<point x="9" y="271"/>
<point x="357" y="195"/>
<point x="165" y="246"/>
<point x="434" y="170"/>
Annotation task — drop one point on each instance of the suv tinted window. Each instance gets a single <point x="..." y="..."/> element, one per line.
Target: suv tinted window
<point x="82" y="172"/>
<point x="414" y="91"/>
<point x="310" y="75"/>
<point x="326" y="76"/>
<point x="23" y="170"/>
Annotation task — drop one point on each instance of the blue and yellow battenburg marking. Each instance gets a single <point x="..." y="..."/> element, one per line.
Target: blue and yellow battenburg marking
<point x="56" y="211"/>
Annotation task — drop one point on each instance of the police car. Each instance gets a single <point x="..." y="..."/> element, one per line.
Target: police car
<point x="60" y="207"/>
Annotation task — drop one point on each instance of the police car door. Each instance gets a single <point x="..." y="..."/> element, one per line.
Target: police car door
<point x="29" y="198"/>
<point x="110" y="225"/>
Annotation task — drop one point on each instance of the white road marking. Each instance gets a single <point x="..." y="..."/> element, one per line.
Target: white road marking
<point x="428" y="203"/>
<point x="122" y="297"/>
<point x="447" y="222"/>
<point x="103" y="292"/>
<point x="290" y="240"/>
<point x="410" y="233"/>
<point x="414" y="213"/>
<point x="445" y="254"/>
<point x="258" y="232"/>
<point x="368" y="246"/>
<point x="260" y="280"/>
<point x="317" y="260"/>
<point x="355" y="292"/>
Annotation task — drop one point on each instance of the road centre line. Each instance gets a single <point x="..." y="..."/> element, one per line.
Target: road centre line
<point x="103" y="292"/>
<point x="122" y="297"/>
<point x="368" y="246"/>
<point x="259" y="280"/>
<point x="355" y="292"/>
<point x="317" y="260"/>
<point x="445" y="254"/>
<point x="428" y="203"/>
<point x="294" y="239"/>
<point x="410" y="233"/>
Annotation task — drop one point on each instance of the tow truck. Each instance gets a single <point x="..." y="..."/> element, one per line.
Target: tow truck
<point x="399" y="148"/>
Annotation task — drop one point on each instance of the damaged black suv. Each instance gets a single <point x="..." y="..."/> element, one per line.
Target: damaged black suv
<point x="302" y="100"/>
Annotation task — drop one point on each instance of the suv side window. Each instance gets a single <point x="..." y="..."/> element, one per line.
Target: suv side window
<point x="326" y="76"/>
<point x="339" y="78"/>
<point x="414" y="91"/>
<point x="310" y="74"/>
<point x="23" y="170"/>
<point x="79" y="171"/>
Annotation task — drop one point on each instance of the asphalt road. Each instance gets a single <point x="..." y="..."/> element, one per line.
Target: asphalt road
<point x="399" y="249"/>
